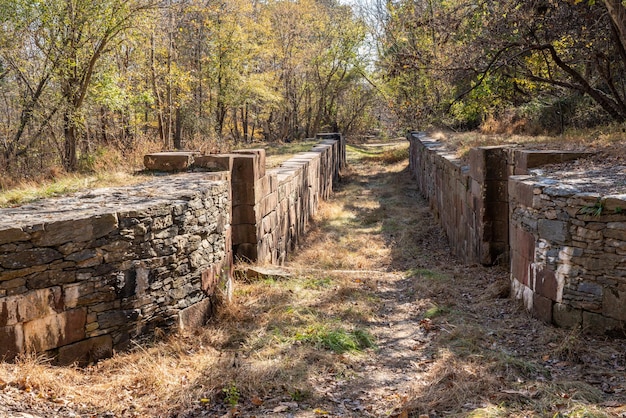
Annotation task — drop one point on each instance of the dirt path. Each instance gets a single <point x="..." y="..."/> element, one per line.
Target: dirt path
<point x="448" y="339"/>
<point x="373" y="318"/>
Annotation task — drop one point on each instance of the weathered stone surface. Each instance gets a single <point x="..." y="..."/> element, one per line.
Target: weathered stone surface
<point x="615" y="203"/>
<point x="221" y="162"/>
<point x="259" y="161"/>
<point x="111" y="319"/>
<point x="614" y="303"/>
<point x="195" y="316"/>
<point x="565" y="316"/>
<point x="62" y="232"/>
<point x="169" y="161"/>
<point x="14" y="274"/>
<point x="86" y="352"/>
<point x="55" y="331"/>
<point x="551" y="230"/>
<point x="32" y="305"/>
<point x="525" y="159"/>
<point x="11" y="235"/>
<point x="29" y="258"/>
<point x="598" y="324"/>
<point x="129" y="259"/>
<point x="11" y="341"/>
<point x="245" y="169"/>
<point x="265" y="273"/>
<point x="542" y="308"/>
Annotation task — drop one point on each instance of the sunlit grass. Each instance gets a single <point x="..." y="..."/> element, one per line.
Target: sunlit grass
<point x="66" y="184"/>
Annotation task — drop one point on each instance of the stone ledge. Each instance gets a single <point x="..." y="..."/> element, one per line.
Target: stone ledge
<point x="170" y="161"/>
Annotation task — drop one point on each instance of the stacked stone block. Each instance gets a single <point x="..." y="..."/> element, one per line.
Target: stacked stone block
<point x="566" y="249"/>
<point x="83" y="275"/>
<point x="470" y="202"/>
<point x="271" y="210"/>
<point x="568" y="253"/>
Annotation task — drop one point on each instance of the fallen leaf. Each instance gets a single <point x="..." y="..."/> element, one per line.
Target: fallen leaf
<point x="256" y="401"/>
<point x="281" y="408"/>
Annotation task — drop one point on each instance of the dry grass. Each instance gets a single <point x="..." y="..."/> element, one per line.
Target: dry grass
<point x="377" y="312"/>
<point x="602" y="139"/>
<point x="271" y="340"/>
<point x="28" y="191"/>
<point x="110" y="166"/>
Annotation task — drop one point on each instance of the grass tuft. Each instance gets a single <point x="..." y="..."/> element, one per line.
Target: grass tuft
<point x="336" y="339"/>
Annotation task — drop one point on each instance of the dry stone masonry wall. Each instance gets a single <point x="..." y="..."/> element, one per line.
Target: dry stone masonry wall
<point x="83" y="275"/>
<point x="568" y="251"/>
<point x="271" y="208"/>
<point x="469" y="201"/>
<point x="565" y="244"/>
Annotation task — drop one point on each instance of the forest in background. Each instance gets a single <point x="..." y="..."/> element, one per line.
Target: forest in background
<point x="538" y="66"/>
<point x="77" y="75"/>
<point x="80" y="80"/>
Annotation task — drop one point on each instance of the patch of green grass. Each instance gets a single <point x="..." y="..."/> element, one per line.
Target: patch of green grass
<point x="299" y="395"/>
<point x="317" y="283"/>
<point x="279" y="152"/>
<point x="336" y="339"/>
<point x="436" y="311"/>
<point x="231" y="395"/>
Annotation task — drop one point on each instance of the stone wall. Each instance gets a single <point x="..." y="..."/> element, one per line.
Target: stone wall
<point x="271" y="208"/>
<point x="568" y="253"/>
<point x="469" y="201"/>
<point x="83" y="275"/>
<point x="566" y="248"/>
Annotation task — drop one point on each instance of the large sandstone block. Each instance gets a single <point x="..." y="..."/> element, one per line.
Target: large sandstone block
<point x="488" y="163"/>
<point x="565" y="316"/>
<point x="614" y="303"/>
<point x="86" y="352"/>
<point x="55" y="330"/>
<point x="244" y="214"/>
<point x="169" y="161"/>
<point x="11" y="235"/>
<point x="553" y="230"/>
<point x="32" y="305"/>
<point x="521" y="190"/>
<point x="599" y="324"/>
<point x="11" y="341"/>
<point x="248" y="165"/>
<point x="244" y="233"/>
<point x="218" y="162"/>
<point x="542" y="308"/>
<point x="527" y="159"/>
<point x="71" y="231"/>
<point x="196" y="315"/>
<point x="546" y="284"/>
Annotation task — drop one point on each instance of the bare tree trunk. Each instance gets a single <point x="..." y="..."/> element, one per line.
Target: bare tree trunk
<point x="70" y="161"/>
<point x="159" y="102"/>
<point x="244" y="121"/>
<point x="178" y="132"/>
<point x="617" y="12"/>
